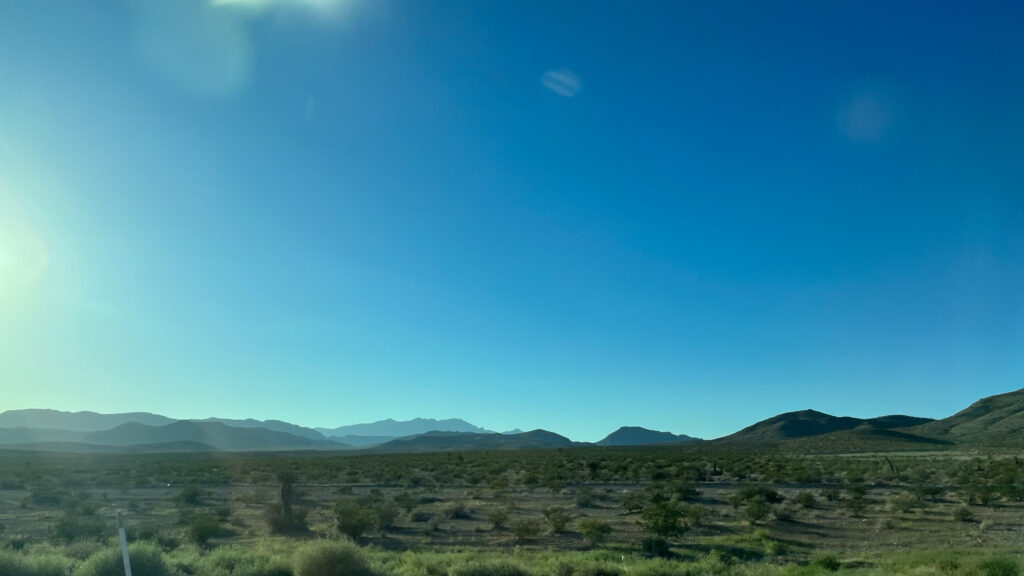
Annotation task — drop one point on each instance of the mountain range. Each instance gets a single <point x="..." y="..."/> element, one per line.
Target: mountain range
<point x="992" y="421"/>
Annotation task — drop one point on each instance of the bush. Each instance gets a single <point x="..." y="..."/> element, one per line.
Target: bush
<point x="599" y="570"/>
<point x="353" y="520"/>
<point x="831" y="494"/>
<point x="963" y="514"/>
<point x="663" y="519"/>
<point x="594" y="531"/>
<point x="331" y="559"/>
<point x="489" y="569"/>
<point x="806" y="499"/>
<point x="999" y="567"/>
<point x="146" y="560"/>
<point x="498" y="517"/>
<point x="72" y="526"/>
<point x="749" y="493"/>
<point x="282" y="523"/>
<point x="36" y="565"/>
<point x="685" y="491"/>
<point x="240" y="562"/>
<point x="654" y="546"/>
<point x="386" y="515"/>
<point x="784" y="513"/>
<point x="585" y="498"/>
<point x="557" y="519"/>
<point x="757" y="510"/>
<point x="191" y="495"/>
<point x="201" y="528"/>
<point x="634" y="501"/>
<point x="904" y="503"/>
<point x="525" y="529"/>
<point x="828" y="562"/>
<point x="405" y="501"/>
<point x="457" y="511"/>
<point x="421" y="516"/>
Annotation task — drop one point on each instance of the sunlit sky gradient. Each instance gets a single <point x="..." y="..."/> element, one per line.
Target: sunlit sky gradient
<point x="568" y="215"/>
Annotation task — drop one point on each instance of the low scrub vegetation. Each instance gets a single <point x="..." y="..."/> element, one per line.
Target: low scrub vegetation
<point x="587" y="512"/>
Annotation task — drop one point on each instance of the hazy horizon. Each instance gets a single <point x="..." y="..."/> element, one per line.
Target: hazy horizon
<point x="572" y="216"/>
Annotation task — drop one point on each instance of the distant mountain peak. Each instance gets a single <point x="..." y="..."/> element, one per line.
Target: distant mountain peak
<point x="441" y="441"/>
<point x="83" y="421"/>
<point x="398" y="428"/>
<point x="639" y="436"/>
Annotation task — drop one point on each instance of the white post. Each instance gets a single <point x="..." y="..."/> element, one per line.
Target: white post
<point x="124" y="544"/>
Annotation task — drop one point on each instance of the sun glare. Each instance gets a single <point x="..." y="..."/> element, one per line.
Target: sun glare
<point x="23" y="260"/>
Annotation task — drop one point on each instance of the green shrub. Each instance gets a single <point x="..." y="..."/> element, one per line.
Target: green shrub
<point x="489" y="569"/>
<point x="406" y="501"/>
<point x="685" y="491"/>
<point x="757" y="510"/>
<point x="904" y="502"/>
<point x="191" y="495"/>
<point x="784" y="513"/>
<point x="386" y="515"/>
<point x="999" y="567"/>
<point x="457" y="511"/>
<point x="71" y="526"/>
<point x="634" y="501"/>
<point x="599" y="570"/>
<point x="281" y="522"/>
<point x="421" y="516"/>
<point x="498" y="517"/>
<point x="655" y="546"/>
<point x="557" y="519"/>
<point x="806" y="499"/>
<point x="748" y="493"/>
<point x="831" y="494"/>
<point x="594" y="531"/>
<point x="12" y="564"/>
<point x="829" y="562"/>
<point x="146" y="560"/>
<point x="241" y="562"/>
<point x="201" y="528"/>
<point x="585" y="498"/>
<point x="353" y="519"/>
<point x="963" y="514"/>
<point x="525" y="529"/>
<point x="331" y="559"/>
<point x="663" y="519"/>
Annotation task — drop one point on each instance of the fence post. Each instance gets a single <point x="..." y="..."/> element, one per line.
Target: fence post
<point x="124" y="544"/>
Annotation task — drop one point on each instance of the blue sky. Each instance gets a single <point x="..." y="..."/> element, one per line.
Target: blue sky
<point x="571" y="216"/>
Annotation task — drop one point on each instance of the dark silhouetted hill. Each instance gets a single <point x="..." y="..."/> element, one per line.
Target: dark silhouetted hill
<point x="357" y="441"/>
<point x="76" y="421"/>
<point x="276" y="425"/>
<point x="448" y="441"/>
<point x="793" y="425"/>
<point x="995" y="420"/>
<point x="206" y="435"/>
<point x="637" y="436"/>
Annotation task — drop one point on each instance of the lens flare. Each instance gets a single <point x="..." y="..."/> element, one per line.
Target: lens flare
<point x="24" y="258"/>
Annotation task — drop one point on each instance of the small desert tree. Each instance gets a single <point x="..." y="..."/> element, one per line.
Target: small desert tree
<point x="285" y="516"/>
<point x="661" y="521"/>
<point x="353" y="519"/>
<point x="557" y="519"/>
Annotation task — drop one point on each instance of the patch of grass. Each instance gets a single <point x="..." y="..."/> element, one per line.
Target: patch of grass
<point x="146" y="559"/>
<point x="331" y="559"/>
